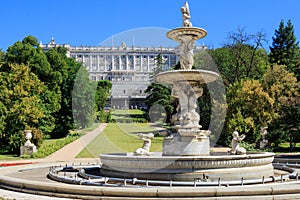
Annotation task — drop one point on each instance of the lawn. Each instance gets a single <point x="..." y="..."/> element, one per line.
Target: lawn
<point x="128" y="116"/>
<point x="5" y="156"/>
<point x="120" y="137"/>
<point x="49" y="146"/>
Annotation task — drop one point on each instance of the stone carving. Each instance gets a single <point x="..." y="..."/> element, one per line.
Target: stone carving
<point x="122" y="46"/>
<point x="145" y="149"/>
<point x="28" y="148"/>
<point x="263" y="142"/>
<point x="186" y="15"/>
<point x="187" y="95"/>
<point x="185" y="51"/>
<point x="236" y="149"/>
<point x="263" y="133"/>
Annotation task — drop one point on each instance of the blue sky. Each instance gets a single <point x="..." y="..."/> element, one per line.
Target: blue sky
<point x="90" y="22"/>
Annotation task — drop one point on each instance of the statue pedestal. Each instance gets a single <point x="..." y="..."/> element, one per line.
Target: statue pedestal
<point x="263" y="144"/>
<point x="186" y="146"/>
<point x="27" y="149"/>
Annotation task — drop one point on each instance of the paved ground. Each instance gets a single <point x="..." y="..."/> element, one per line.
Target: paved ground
<point x="70" y="151"/>
<point x="67" y="153"/>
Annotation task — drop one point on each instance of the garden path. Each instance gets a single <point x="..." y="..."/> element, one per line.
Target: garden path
<point x="70" y="151"/>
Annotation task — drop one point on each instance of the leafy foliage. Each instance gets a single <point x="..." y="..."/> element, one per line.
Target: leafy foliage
<point x="249" y="108"/>
<point x="66" y="69"/>
<point x="21" y="105"/>
<point x="242" y="57"/>
<point x="283" y="87"/>
<point x="160" y="94"/>
<point x="37" y="93"/>
<point x="102" y="93"/>
<point x="83" y="99"/>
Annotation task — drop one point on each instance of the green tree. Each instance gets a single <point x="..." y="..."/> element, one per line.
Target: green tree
<point x="102" y="93"/>
<point x="283" y="87"/>
<point x="285" y="48"/>
<point x="66" y="70"/>
<point x="20" y="105"/>
<point x="1" y="57"/>
<point x="242" y="57"/>
<point x="159" y="64"/>
<point x="83" y="99"/>
<point x="160" y="94"/>
<point x="29" y="53"/>
<point x="249" y="108"/>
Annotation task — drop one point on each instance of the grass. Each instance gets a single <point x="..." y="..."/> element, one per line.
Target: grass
<point x="49" y="146"/>
<point x="119" y="137"/>
<point x="129" y="116"/>
<point x="285" y="148"/>
<point x="5" y="156"/>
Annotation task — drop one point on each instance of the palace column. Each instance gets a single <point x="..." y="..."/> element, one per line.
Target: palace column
<point x="105" y="66"/>
<point x="126" y="61"/>
<point x="148" y="63"/>
<point x="120" y="62"/>
<point x="98" y="67"/>
<point x="133" y="61"/>
<point x="112" y="62"/>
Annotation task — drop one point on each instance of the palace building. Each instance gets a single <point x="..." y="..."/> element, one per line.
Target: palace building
<point x="128" y="68"/>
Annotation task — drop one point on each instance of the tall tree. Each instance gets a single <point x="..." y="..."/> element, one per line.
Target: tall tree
<point x="285" y="48"/>
<point x="283" y="87"/>
<point x="102" y="93"/>
<point x="29" y="53"/>
<point x="20" y="105"/>
<point x="66" y="69"/>
<point x="83" y="99"/>
<point x="160" y="94"/>
<point x="249" y="108"/>
<point x="242" y="57"/>
<point x="159" y="64"/>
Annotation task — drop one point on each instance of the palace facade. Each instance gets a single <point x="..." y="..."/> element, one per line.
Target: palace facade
<point x="128" y="68"/>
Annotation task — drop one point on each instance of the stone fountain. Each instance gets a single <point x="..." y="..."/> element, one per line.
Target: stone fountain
<point x="186" y="154"/>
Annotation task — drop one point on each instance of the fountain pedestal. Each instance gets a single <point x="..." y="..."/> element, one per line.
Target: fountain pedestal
<point x="189" y="140"/>
<point x="186" y="146"/>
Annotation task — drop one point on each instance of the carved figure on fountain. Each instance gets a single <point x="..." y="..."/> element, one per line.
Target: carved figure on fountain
<point x="185" y="51"/>
<point x="185" y="10"/>
<point x="235" y="147"/>
<point x="145" y="149"/>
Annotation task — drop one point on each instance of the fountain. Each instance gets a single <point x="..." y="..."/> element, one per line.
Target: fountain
<point x="186" y="154"/>
<point x="185" y="169"/>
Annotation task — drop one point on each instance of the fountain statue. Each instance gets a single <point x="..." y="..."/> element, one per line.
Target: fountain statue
<point x="263" y="143"/>
<point x="187" y="88"/>
<point x="145" y="149"/>
<point x="186" y="152"/>
<point x="235" y="147"/>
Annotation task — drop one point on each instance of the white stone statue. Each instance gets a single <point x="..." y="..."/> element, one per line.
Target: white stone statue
<point x="236" y="139"/>
<point x="263" y="133"/>
<point x="186" y="15"/>
<point x="187" y="95"/>
<point x="28" y="148"/>
<point x="185" y="52"/>
<point x="145" y="149"/>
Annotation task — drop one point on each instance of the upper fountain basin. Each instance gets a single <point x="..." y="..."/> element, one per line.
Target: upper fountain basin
<point x="195" y="32"/>
<point x="198" y="76"/>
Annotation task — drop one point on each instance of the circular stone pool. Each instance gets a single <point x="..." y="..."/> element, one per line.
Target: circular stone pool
<point x="188" y="168"/>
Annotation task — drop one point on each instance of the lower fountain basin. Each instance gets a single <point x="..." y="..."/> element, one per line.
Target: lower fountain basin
<point x="188" y="168"/>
